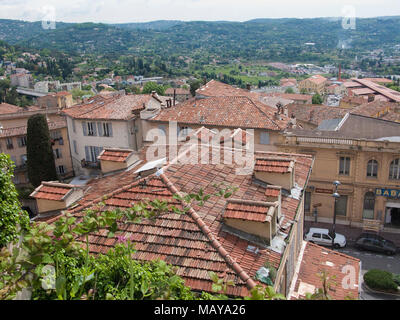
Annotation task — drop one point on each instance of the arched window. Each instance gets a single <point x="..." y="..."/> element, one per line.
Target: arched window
<point x="372" y="168"/>
<point x="369" y="205"/>
<point x="394" y="171"/>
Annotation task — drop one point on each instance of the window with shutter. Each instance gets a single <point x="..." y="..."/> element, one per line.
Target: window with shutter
<point x="84" y="128"/>
<point x="100" y="129"/>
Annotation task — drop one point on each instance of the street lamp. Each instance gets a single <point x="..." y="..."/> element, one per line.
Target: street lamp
<point x="336" y="195"/>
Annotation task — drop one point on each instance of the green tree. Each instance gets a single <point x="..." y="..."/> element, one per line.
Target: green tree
<point x="194" y="85"/>
<point x="289" y="90"/>
<point x="11" y="215"/>
<point x="149" y="87"/>
<point x="39" y="152"/>
<point x="317" y="99"/>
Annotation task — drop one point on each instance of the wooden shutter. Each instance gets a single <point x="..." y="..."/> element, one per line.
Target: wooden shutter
<point x="87" y="153"/>
<point x="100" y="128"/>
<point x="84" y="127"/>
<point x="110" y="129"/>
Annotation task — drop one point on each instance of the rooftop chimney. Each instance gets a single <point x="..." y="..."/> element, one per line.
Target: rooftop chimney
<point x="275" y="171"/>
<point x="54" y="196"/>
<point x="113" y="159"/>
<point x="257" y="219"/>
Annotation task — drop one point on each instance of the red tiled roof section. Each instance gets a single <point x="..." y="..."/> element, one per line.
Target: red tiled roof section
<point x="238" y="112"/>
<point x="6" y="108"/>
<point x="51" y="192"/>
<point x="315" y="114"/>
<point x="180" y="91"/>
<point x="272" y="165"/>
<point x="115" y="155"/>
<point x="190" y="178"/>
<point x="246" y="212"/>
<point x="20" y="131"/>
<point x="272" y="192"/>
<point x="113" y="107"/>
<point x="177" y="239"/>
<point x="317" y="259"/>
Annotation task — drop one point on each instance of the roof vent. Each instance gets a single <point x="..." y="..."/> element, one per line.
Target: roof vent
<point x="252" y="217"/>
<point x="275" y="171"/>
<point x="54" y="196"/>
<point x="112" y="159"/>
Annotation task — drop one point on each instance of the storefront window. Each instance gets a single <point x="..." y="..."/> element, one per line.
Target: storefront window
<point x="369" y="205"/>
<point x="341" y="206"/>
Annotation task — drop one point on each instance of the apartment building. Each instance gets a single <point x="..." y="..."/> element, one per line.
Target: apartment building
<point x="13" y="121"/>
<point x="111" y="120"/>
<point x="313" y="84"/>
<point x="219" y="107"/>
<point x="58" y="100"/>
<point x="363" y="153"/>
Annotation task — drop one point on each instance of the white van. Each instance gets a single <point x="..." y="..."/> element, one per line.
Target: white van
<point x="321" y="236"/>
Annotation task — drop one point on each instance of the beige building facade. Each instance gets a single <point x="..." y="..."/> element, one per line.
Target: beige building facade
<point x="13" y="142"/>
<point x="369" y="173"/>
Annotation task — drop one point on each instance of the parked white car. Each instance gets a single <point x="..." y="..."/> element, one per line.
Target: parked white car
<point x="321" y="236"/>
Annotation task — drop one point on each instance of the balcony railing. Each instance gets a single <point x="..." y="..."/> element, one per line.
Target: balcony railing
<point x="90" y="164"/>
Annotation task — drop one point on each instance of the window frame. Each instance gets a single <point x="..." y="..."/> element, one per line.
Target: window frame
<point x="374" y="166"/>
<point x="346" y="165"/>
<point x="394" y="174"/>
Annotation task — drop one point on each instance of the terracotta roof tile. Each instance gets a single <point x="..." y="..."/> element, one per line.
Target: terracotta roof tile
<point x="246" y="212"/>
<point x="317" y="259"/>
<point x="52" y="191"/>
<point x="194" y="242"/>
<point x="117" y="155"/>
<point x="112" y="107"/>
<point x="272" y="165"/>
<point x="227" y="111"/>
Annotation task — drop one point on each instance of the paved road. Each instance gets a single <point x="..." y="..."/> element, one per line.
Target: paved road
<point x="372" y="260"/>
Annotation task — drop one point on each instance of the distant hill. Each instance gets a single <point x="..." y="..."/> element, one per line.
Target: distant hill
<point x="254" y="39"/>
<point x="153" y="25"/>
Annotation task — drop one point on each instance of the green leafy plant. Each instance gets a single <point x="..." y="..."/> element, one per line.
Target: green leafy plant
<point x="380" y="280"/>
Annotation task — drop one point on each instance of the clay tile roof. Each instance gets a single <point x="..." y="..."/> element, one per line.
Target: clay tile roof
<point x="245" y="211"/>
<point x="117" y="155"/>
<point x="315" y="114"/>
<point x="272" y="192"/>
<point x="237" y="112"/>
<point x="9" y="108"/>
<point x="52" y="191"/>
<point x="20" y="131"/>
<point x="109" y="107"/>
<point x="317" y="259"/>
<point x="272" y="165"/>
<point x="317" y="79"/>
<point x="195" y="242"/>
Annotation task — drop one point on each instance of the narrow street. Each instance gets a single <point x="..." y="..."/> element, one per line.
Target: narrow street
<point x="372" y="260"/>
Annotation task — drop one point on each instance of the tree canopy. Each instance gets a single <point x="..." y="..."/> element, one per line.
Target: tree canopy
<point x="39" y="152"/>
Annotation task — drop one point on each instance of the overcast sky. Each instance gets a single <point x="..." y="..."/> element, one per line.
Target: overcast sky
<point x="114" y="11"/>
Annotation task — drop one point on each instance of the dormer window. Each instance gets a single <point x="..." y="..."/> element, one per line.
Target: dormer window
<point x="275" y="171"/>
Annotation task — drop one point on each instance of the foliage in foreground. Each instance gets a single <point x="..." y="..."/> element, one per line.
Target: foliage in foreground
<point x="11" y="215"/>
<point x="53" y="262"/>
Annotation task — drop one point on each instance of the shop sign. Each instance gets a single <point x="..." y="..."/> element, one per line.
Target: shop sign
<point x="389" y="193"/>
